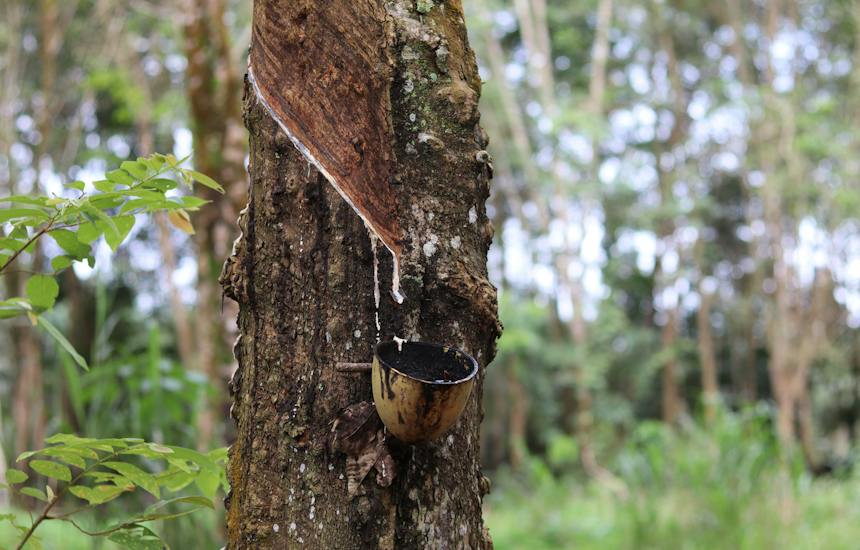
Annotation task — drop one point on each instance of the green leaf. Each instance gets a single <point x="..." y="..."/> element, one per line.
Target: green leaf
<point x="205" y="180"/>
<point x="52" y="469"/>
<point x="60" y="339"/>
<point x="98" y="494"/>
<point x="68" y="439"/>
<point x="9" y="313"/>
<point x="138" y="204"/>
<point x="144" y="480"/>
<point x="108" y="225"/>
<point x="161" y="449"/>
<point x="79" y="185"/>
<point x="35" y="493"/>
<point x="106" y="201"/>
<point x="59" y="263"/>
<point x="11" y="244"/>
<point x="110" y="477"/>
<point x="65" y="455"/>
<point x="175" y="480"/>
<point x="42" y="290"/>
<point x="121" y="177"/>
<point x="154" y="512"/>
<point x="136" y="169"/>
<point x="105" y="186"/>
<point x="70" y="244"/>
<point x="136" y="537"/>
<point x="88" y="233"/>
<point x="14" y="476"/>
<point x="193" y="203"/>
<point x="208" y="482"/>
<point x="161" y="184"/>
<point x="29" y="214"/>
<point x="153" y="162"/>
<point x="26" y="199"/>
<point x="124" y="224"/>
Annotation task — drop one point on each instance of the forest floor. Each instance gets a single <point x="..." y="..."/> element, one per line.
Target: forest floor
<point x="772" y="513"/>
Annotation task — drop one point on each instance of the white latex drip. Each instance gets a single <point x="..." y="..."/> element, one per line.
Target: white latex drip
<point x="395" y="283"/>
<point x="373" y="239"/>
<point x="400" y="342"/>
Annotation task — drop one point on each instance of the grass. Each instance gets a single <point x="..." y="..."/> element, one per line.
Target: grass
<point x="822" y="515"/>
<point x="725" y="488"/>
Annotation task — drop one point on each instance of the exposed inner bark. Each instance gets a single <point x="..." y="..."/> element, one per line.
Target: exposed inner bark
<point x="303" y="273"/>
<point x="309" y="60"/>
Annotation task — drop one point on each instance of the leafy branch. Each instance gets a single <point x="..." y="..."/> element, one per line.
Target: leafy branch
<point x="109" y="464"/>
<point x="141" y="186"/>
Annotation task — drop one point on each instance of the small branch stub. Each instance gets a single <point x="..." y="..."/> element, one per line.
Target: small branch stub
<point x="352" y="368"/>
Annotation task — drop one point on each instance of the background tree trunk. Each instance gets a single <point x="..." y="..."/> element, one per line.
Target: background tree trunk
<point x="303" y="274"/>
<point x="213" y="96"/>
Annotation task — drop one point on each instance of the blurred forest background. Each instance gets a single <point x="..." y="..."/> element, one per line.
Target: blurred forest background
<point x="677" y="256"/>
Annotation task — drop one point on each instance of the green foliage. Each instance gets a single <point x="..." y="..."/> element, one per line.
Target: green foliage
<point x="724" y="487"/>
<point x="97" y="471"/>
<point x="76" y="224"/>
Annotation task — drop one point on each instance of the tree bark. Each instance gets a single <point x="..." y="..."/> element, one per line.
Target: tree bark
<point x="710" y="387"/>
<point x="671" y="395"/>
<point x="704" y="332"/>
<point x="213" y="95"/>
<point x="303" y="274"/>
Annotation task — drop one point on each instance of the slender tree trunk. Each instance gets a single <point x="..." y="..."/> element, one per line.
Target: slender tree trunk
<point x="707" y="356"/>
<point x="29" y="403"/>
<point x="670" y="396"/>
<point x="303" y="274"/>
<point x="213" y="95"/>
<point x="519" y="406"/>
<point x="671" y="393"/>
<point x="710" y="388"/>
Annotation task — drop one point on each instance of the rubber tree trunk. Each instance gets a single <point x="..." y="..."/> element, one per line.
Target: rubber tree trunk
<point x="303" y="274"/>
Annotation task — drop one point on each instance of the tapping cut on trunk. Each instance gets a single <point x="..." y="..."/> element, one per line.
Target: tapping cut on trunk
<point x="324" y="76"/>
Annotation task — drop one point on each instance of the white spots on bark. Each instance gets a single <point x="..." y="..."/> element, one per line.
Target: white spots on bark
<point x="430" y="246"/>
<point x="302" y="468"/>
<point x="431" y="141"/>
<point x="357" y="333"/>
<point x="327" y="337"/>
<point x="276" y="528"/>
<point x="473" y="215"/>
<point x="293" y="526"/>
<point x="455" y="242"/>
<point x="408" y="86"/>
<point x="400" y="342"/>
<point x="412" y="117"/>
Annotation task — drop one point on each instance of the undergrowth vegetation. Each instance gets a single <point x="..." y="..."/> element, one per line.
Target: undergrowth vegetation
<point x="727" y="487"/>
